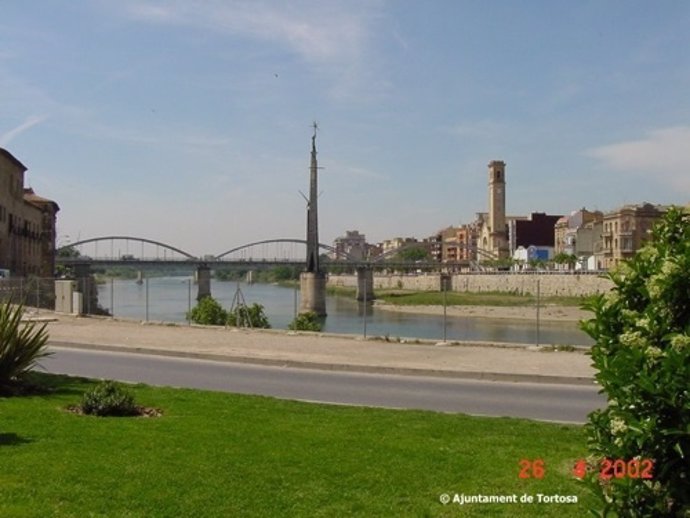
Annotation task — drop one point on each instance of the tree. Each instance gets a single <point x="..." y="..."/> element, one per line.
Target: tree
<point x="68" y="251"/>
<point x="642" y="355"/>
<point x="563" y="258"/>
<point x="412" y="254"/>
<point x="284" y="273"/>
<point x="208" y="312"/>
<point x="308" y="321"/>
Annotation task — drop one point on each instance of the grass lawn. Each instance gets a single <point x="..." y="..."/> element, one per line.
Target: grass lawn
<point x="217" y="454"/>
<point x="435" y="298"/>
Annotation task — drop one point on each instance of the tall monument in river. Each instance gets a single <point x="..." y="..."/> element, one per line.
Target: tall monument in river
<point x="313" y="280"/>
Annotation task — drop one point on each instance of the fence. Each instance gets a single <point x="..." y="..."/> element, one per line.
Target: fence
<point x="32" y="291"/>
<point x="170" y="299"/>
<point x="103" y="297"/>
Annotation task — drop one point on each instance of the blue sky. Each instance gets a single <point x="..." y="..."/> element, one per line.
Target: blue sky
<point x="189" y="121"/>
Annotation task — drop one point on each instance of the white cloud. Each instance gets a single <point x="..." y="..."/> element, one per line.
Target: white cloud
<point x="30" y="122"/>
<point x="663" y="153"/>
<point x="317" y="31"/>
<point x="334" y="37"/>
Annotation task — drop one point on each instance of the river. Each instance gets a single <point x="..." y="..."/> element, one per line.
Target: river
<point x="169" y="299"/>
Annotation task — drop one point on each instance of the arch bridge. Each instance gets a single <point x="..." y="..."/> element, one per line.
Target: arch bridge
<point x="143" y="253"/>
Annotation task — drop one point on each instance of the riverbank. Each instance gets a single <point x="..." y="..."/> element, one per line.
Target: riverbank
<point x="546" y="313"/>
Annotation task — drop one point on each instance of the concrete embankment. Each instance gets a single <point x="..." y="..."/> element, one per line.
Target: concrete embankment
<point x="550" y="284"/>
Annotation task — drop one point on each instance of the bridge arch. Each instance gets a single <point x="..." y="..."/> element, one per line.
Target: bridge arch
<point x="128" y="238"/>
<point x="298" y="241"/>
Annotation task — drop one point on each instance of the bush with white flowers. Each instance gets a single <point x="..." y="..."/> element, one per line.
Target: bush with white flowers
<point x="642" y="355"/>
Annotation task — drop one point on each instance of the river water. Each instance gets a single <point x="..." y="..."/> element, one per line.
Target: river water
<point x="169" y="299"/>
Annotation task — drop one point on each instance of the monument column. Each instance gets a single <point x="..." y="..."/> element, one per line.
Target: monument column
<point x="313" y="280"/>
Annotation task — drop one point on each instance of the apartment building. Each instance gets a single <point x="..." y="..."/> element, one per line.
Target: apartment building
<point x="27" y="223"/>
<point x="455" y="244"/>
<point x="570" y="233"/>
<point x="353" y="244"/>
<point x="624" y="231"/>
<point x="443" y="245"/>
<point x="467" y="237"/>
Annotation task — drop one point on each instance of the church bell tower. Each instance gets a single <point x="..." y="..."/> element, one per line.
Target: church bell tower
<point x="498" y="234"/>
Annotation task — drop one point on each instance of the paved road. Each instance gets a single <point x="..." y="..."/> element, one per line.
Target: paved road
<point x="550" y="402"/>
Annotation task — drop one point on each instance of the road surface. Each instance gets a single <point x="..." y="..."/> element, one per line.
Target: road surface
<point x="548" y="402"/>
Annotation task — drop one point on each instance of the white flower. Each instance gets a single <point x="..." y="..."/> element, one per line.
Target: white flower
<point x="669" y="268"/>
<point x="643" y="323"/>
<point x="632" y="339"/>
<point x="623" y="270"/>
<point x="653" y="352"/>
<point x="649" y="253"/>
<point x="679" y="342"/>
<point x="629" y="314"/>
<point x="654" y="286"/>
<point x="611" y="298"/>
<point x="618" y="426"/>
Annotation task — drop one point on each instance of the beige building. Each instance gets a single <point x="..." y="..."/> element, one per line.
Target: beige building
<point x="389" y="246"/>
<point x="27" y="224"/>
<point x="577" y="234"/>
<point x="624" y="231"/>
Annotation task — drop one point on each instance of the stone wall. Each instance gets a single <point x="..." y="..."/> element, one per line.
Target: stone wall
<point x="550" y="284"/>
<point x="422" y="282"/>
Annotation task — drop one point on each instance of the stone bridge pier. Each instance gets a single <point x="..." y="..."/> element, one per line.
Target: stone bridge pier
<point x="203" y="279"/>
<point x="313" y="290"/>
<point x="365" y="284"/>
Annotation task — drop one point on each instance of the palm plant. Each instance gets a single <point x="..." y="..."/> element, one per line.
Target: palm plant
<point x="22" y="344"/>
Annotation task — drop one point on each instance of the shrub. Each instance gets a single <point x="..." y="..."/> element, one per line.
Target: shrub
<point x="208" y="312"/>
<point x="108" y="399"/>
<point x="642" y="354"/>
<point x="248" y="316"/>
<point x="21" y="344"/>
<point x="308" y="321"/>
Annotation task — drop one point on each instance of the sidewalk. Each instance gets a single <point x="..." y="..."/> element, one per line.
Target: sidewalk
<point x="503" y="362"/>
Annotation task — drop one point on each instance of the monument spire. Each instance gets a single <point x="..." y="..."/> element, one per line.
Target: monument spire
<point x="313" y="280"/>
<point x="312" y="211"/>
